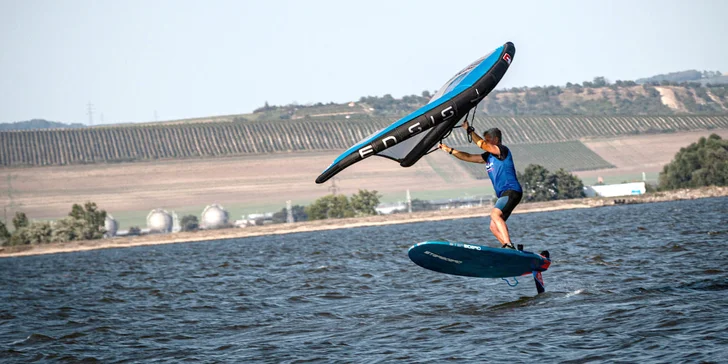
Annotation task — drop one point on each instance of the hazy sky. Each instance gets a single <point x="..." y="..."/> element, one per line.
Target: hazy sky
<point x="185" y="59"/>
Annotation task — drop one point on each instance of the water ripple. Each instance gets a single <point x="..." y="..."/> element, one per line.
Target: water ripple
<point x="634" y="283"/>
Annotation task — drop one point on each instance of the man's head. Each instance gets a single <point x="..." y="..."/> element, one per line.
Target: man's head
<point x="492" y="136"/>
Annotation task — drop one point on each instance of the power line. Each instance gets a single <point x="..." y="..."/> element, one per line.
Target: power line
<point x="90" y="112"/>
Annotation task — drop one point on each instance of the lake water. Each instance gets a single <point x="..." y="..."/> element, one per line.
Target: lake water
<point x="637" y="283"/>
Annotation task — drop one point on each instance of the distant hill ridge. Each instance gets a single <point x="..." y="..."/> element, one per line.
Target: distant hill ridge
<point x="685" y="76"/>
<point x="38" y="124"/>
<point x="678" y="93"/>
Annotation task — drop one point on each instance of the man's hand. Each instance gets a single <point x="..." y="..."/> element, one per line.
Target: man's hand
<point x="444" y="147"/>
<point x="466" y="125"/>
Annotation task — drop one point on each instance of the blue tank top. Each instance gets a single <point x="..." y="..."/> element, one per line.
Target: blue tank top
<point x="501" y="171"/>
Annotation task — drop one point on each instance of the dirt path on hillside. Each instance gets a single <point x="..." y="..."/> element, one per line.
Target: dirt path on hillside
<point x="667" y="96"/>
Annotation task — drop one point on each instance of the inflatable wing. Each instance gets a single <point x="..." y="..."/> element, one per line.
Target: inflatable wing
<point x="411" y="137"/>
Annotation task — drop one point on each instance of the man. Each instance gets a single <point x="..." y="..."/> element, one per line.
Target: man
<point x="502" y="173"/>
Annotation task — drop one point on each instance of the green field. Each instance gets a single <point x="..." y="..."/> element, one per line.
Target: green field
<point x="571" y="156"/>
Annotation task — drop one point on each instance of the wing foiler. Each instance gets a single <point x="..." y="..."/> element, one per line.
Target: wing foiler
<point x="411" y="137"/>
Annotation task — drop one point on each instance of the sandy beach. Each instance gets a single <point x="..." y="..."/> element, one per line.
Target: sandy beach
<point x="319" y="225"/>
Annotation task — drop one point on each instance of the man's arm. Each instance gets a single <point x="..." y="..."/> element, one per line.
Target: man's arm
<point x="463" y="156"/>
<point x="480" y="142"/>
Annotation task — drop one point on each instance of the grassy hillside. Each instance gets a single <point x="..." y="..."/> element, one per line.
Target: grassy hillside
<point x="679" y="93"/>
<point x="597" y="98"/>
<point x="602" y="98"/>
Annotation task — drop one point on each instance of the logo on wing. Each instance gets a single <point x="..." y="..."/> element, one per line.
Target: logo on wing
<point x="507" y="58"/>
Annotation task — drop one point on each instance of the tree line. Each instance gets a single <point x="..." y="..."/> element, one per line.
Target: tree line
<point x="703" y="163"/>
<point x="82" y="223"/>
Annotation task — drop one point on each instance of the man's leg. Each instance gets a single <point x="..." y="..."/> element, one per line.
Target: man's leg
<point x="498" y="226"/>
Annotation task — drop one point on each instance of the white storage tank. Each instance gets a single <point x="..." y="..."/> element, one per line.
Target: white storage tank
<point x="159" y="221"/>
<point x="111" y="226"/>
<point x="214" y="217"/>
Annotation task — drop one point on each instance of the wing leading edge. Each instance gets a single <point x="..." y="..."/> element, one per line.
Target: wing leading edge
<point x="409" y="138"/>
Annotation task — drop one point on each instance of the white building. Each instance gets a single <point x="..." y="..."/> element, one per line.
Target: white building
<point x="622" y="189"/>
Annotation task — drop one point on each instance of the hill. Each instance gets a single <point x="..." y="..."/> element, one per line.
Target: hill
<point x="38" y="124"/>
<point x="682" y="76"/>
<point x="601" y="97"/>
<point x="598" y="97"/>
<point x="686" y="92"/>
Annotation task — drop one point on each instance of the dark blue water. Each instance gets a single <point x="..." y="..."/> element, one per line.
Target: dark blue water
<point x="635" y="283"/>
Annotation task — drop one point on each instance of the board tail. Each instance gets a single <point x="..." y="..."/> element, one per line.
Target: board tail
<point x="537" y="277"/>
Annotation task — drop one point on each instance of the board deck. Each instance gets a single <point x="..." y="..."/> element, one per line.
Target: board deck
<point x="473" y="260"/>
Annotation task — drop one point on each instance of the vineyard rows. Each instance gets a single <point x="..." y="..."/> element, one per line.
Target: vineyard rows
<point x="149" y="142"/>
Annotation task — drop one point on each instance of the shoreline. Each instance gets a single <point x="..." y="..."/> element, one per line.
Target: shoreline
<point x="333" y="224"/>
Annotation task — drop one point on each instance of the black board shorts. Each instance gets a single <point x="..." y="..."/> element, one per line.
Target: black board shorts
<point x="507" y="202"/>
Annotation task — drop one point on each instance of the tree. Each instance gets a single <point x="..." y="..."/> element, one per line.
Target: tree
<point x="600" y="82"/>
<point x="94" y="218"/>
<point x="189" y="223"/>
<point x="365" y="202"/>
<point x="535" y="183"/>
<point x="38" y="232"/>
<point x="703" y="163"/>
<point x="330" y="206"/>
<point x="421" y="205"/>
<point x="4" y="234"/>
<point x="20" y="220"/>
<point x="134" y="230"/>
<point x="567" y="185"/>
<point x="68" y="229"/>
<point x="541" y="185"/>
<point x="298" y="212"/>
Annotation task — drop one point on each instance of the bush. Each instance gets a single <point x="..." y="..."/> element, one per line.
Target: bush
<point x="541" y="185"/>
<point x="20" y="220"/>
<point x="365" y="202"/>
<point x="298" y="212"/>
<point x="4" y="234"/>
<point x="189" y="223"/>
<point x="94" y="220"/>
<point x="68" y="229"/>
<point x="339" y="206"/>
<point x="134" y="230"/>
<point x="704" y="163"/>
<point x="35" y="233"/>
<point x="330" y="207"/>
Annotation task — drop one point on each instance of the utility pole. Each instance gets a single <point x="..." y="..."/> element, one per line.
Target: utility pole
<point x="289" y="218"/>
<point x="90" y="112"/>
<point x="334" y="188"/>
<point x="409" y="202"/>
<point x="11" y="205"/>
